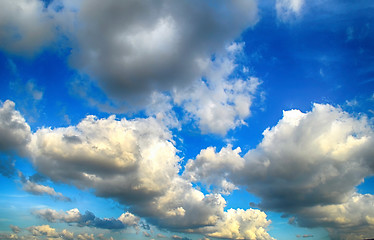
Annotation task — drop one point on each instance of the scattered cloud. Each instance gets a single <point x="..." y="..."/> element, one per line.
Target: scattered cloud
<point x="88" y="219"/>
<point x="38" y="189"/>
<point x="132" y="161"/>
<point x="288" y="9"/>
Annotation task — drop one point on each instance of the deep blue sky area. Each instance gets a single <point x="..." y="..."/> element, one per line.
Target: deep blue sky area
<point x="186" y="120"/>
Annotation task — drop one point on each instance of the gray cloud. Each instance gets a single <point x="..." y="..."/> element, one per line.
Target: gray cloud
<point x="120" y="43"/>
<point x="38" y="189"/>
<point x="15" y="132"/>
<point x="309" y="159"/>
<point x="25" y="26"/>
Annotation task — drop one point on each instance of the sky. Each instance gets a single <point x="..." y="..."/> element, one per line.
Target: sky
<point x="186" y="120"/>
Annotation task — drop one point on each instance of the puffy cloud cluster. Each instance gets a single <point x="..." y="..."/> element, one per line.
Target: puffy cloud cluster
<point x="15" y="132"/>
<point x="88" y="219"/>
<point x="307" y="166"/>
<point x="132" y="161"/>
<point x="242" y="224"/>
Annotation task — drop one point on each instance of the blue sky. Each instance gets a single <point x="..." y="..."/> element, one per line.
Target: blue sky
<point x="186" y="119"/>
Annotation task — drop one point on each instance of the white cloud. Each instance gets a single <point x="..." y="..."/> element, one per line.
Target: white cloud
<point x="219" y="102"/>
<point x="310" y="159"/>
<point x="211" y="168"/>
<point x="242" y="224"/>
<point x="25" y="26"/>
<point x="132" y="161"/>
<point x="288" y="9"/>
<point x="43" y="230"/>
<point x="15" y="132"/>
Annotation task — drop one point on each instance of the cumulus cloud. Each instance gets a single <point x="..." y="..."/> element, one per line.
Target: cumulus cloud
<point x="15" y="132"/>
<point x="288" y="9"/>
<point x="210" y="168"/>
<point x="120" y="43"/>
<point x="43" y="230"/>
<point x="88" y="219"/>
<point x="132" y="161"/>
<point x="241" y="224"/>
<point x="308" y="159"/>
<point x="25" y="26"/>
<point x="307" y="166"/>
<point x="219" y="102"/>
<point x="353" y="219"/>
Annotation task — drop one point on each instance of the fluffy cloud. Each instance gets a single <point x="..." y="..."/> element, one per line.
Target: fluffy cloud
<point x="219" y="102"/>
<point x="121" y="43"/>
<point x="309" y="159"/>
<point x="132" y="161"/>
<point x="25" y="26"/>
<point x="211" y="168"/>
<point x="15" y="132"/>
<point x="242" y="224"/>
<point x="288" y="9"/>
<point x="306" y="166"/>
<point x="88" y="219"/>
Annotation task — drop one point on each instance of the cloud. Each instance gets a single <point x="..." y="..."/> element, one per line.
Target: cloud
<point x="307" y="166"/>
<point x="26" y="26"/>
<point x="219" y="102"/>
<point x="43" y="230"/>
<point x="353" y="219"/>
<point x="241" y="224"/>
<point x="14" y="130"/>
<point x="176" y="237"/>
<point x="132" y="161"/>
<point x="309" y="159"/>
<point x="288" y="9"/>
<point x="305" y="236"/>
<point x="38" y="189"/>
<point x="210" y="168"/>
<point x="120" y="44"/>
<point x="88" y="219"/>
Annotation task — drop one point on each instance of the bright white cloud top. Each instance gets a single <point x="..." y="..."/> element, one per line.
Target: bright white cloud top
<point x="198" y="148"/>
